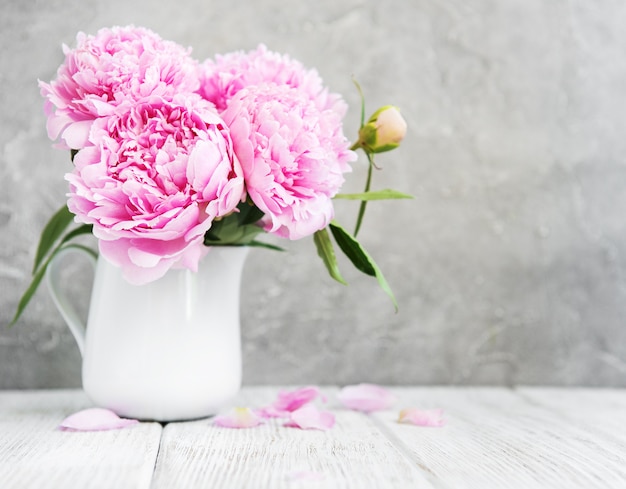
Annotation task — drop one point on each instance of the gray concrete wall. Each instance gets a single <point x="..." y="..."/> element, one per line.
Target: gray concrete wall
<point x="509" y="264"/>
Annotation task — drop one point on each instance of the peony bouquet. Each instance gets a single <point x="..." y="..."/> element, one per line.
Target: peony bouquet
<point x="172" y="156"/>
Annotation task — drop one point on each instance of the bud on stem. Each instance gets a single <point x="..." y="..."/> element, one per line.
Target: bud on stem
<point x="384" y="130"/>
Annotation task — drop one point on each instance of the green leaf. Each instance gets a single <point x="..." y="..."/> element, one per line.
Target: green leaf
<point x="83" y="229"/>
<point x="40" y="268"/>
<point x="261" y="244"/>
<point x="53" y="230"/>
<point x="86" y="249"/>
<point x="249" y="213"/>
<point x="385" y="194"/>
<point x="360" y="258"/>
<point x="30" y="291"/>
<point x="37" y="277"/>
<point x="237" y="228"/>
<point x="229" y="233"/>
<point x="326" y="252"/>
<point x="358" y="87"/>
<point x="353" y="250"/>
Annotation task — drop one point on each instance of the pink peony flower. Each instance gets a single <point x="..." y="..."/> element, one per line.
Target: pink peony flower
<point x="222" y="79"/>
<point x="293" y="156"/>
<point x="107" y="69"/>
<point x="152" y="182"/>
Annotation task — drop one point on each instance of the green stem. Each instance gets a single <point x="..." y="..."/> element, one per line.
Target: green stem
<point x="368" y="183"/>
<point x="358" y="87"/>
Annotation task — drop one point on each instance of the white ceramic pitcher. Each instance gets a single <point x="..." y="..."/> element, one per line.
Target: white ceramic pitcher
<point x="168" y="350"/>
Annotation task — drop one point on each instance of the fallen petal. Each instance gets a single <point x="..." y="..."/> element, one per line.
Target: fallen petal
<point x="310" y="418"/>
<point x="270" y="412"/>
<point x="289" y="401"/>
<point x="366" y="397"/>
<point x="292" y="400"/>
<point x="422" y="417"/>
<point x="238" y="418"/>
<point x="95" y="419"/>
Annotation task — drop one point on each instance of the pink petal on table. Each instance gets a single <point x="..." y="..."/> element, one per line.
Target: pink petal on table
<point x="95" y="419"/>
<point x="289" y="401"/>
<point x="422" y="417"/>
<point x="238" y="418"/>
<point x="366" y="397"/>
<point x="292" y="400"/>
<point x="310" y="418"/>
<point x="270" y="412"/>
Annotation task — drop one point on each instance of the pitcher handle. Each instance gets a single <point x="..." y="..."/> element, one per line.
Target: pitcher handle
<point x="59" y="294"/>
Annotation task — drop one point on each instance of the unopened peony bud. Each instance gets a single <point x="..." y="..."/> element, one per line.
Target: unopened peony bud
<point x="384" y="130"/>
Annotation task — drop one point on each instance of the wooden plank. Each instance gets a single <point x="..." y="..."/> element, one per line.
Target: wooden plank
<point x="526" y="439"/>
<point x="35" y="454"/>
<point x="598" y="410"/>
<point x="497" y="438"/>
<point x="353" y="454"/>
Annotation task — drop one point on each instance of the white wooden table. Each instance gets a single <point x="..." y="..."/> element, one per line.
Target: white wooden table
<point x="495" y="438"/>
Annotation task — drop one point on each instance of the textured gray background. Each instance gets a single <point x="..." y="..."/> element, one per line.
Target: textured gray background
<point x="509" y="264"/>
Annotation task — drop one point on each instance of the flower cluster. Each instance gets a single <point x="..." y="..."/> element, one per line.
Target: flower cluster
<point x="172" y="156"/>
<point x="165" y="146"/>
